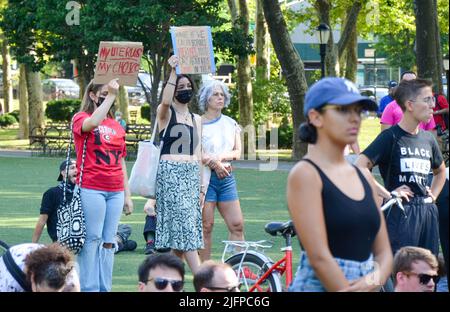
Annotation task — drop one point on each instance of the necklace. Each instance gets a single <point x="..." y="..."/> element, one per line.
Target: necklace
<point x="184" y="116"/>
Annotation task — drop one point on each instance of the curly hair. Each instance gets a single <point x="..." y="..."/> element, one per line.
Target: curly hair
<point x="50" y="264"/>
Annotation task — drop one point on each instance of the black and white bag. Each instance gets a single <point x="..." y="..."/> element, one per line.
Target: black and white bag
<point x="71" y="228"/>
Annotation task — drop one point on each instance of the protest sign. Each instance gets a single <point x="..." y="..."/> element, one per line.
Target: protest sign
<point x="118" y="60"/>
<point x="193" y="46"/>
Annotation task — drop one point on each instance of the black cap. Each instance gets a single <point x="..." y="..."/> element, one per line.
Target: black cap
<point x="62" y="167"/>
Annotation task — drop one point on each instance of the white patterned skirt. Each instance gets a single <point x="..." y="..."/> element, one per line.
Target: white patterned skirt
<point x="179" y="216"/>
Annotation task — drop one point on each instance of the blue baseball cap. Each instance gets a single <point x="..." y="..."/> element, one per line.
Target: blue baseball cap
<point x="392" y="84"/>
<point x="338" y="91"/>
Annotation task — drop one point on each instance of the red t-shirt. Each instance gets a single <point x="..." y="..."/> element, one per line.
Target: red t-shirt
<point x="441" y="104"/>
<point x="105" y="149"/>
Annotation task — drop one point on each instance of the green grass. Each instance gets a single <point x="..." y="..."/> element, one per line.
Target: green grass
<point x="24" y="180"/>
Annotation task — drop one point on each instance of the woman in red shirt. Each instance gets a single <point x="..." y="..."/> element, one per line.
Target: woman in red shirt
<point x="104" y="185"/>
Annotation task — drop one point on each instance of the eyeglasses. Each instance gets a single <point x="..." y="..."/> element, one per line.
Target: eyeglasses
<point x="161" y="283"/>
<point x="344" y="109"/>
<point x="236" y="288"/>
<point x="429" y="100"/>
<point x="424" y="279"/>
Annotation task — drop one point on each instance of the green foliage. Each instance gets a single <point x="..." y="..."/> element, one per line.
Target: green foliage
<point x="284" y="135"/>
<point x="16" y="114"/>
<point x="7" y="120"/>
<point x="62" y="110"/>
<point x="145" y="112"/>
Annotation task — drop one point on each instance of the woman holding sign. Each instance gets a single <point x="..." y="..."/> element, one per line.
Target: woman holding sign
<point x="104" y="185"/>
<point x="179" y="188"/>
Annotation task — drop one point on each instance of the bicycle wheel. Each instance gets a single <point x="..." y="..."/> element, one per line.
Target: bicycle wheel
<point x="253" y="267"/>
<point x="3" y="248"/>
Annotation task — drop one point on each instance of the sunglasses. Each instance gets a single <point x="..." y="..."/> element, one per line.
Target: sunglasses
<point x="236" y="288"/>
<point x="161" y="283"/>
<point x="344" y="109"/>
<point x="424" y="279"/>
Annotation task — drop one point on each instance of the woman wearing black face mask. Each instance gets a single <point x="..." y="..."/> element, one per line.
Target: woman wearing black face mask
<point x="104" y="186"/>
<point x="179" y="190"/>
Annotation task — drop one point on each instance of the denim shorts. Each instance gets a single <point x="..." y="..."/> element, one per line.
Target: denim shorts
<point x="221" y="190"/>
<point x="306" y="280"/>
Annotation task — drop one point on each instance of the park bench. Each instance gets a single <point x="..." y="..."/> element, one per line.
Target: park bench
<point x="52" y="140"/>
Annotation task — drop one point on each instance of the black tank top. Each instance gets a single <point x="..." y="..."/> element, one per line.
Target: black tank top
<point x="351" y="225"/>
<point x="180" y="133"/>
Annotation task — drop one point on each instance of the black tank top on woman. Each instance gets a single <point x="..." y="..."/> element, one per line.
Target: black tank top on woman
<point x="351" y="225"/>
<point x="180" y="133"/>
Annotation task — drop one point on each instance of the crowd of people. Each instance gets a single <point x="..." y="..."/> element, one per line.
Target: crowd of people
<point x="346" y="240"/>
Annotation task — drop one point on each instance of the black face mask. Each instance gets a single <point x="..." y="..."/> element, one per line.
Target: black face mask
<point x="100" y="101"/>
<point x="184" y="96"/>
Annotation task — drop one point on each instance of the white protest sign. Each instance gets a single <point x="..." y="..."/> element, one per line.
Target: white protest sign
<point x="193" y="46"/>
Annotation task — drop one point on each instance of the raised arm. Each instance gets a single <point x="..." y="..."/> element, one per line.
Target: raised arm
<point x="100" y="113"/>
<point x="305" y="207"/>
<point x="168" y="92"/>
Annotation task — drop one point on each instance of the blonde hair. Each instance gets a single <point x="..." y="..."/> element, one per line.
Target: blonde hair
<point x="87" y="105"/>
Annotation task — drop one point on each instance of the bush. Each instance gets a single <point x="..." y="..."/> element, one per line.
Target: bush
<point x="62" y="110"/>
<point x="284" y="135"/>
<point x="145" y="112"/>
<point x="16" y="114"/>
<point x="7" y="120"/>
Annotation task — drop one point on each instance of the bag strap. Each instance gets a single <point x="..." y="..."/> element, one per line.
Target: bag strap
<point x="15" y="271"/>
<point x="69" y="150"/>
<point x="388" y="173"/>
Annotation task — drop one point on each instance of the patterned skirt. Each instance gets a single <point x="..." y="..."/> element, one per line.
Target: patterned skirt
<point x="179" y="216"/>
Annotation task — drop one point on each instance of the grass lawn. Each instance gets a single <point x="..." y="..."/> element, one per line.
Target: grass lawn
<point x="24" y="180"/>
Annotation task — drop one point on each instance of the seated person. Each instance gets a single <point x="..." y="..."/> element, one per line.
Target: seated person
<point x="161" y="273"/>
<point x="38" y="268"/>
<point x="216" y="277"/>
<point x="150" y="227"/>
<point x="415" y="270"/>
<point x="54" y="197"/>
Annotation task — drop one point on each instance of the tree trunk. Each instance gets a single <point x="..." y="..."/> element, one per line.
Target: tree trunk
<point x="351" y="57"/>
<point x="426" y="54"/>
<point x="244" y="86"/>
<point x="440" y="66"/>
<point x="23" y="105"/>
<point x="323" y="8"/>
<point x="261" y="44"/>
<point x="7" y="81"/>
<point x="123" y="103"/>
<point x="292" y="67"/>
<point x="349" y="30"/>
<point x="35" y="107"/>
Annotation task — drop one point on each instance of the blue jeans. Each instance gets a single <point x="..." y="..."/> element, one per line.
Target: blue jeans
<point x="102" y="211"/>
<point x="221" y="190"/>
<point x="306" y="280"/>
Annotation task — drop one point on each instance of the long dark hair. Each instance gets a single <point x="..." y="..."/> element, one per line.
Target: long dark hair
<point x="87" y="105"/>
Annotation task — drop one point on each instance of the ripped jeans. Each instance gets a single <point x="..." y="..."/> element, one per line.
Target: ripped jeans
<point x="102" y="211"/>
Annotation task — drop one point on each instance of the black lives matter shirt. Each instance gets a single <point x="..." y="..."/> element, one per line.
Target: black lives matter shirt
<point x="410" y="156"/>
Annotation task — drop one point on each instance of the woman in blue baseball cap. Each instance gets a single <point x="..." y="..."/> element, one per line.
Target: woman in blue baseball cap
<point x="331" y="202"/>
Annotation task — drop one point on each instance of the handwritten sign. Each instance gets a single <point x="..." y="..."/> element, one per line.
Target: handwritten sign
<point x="193" y="46"/>
<point x="118" y="60"/>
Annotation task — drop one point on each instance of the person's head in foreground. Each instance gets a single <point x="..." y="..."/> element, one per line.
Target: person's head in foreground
<point x="333" y="108"/>
<point x="216" y="277"/>
<point x="415" y="270"/>
<point x="48" y="268"/>
<point x="161" y="273"/>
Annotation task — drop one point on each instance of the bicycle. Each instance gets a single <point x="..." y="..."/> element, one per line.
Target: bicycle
<point x="256" y="271"/>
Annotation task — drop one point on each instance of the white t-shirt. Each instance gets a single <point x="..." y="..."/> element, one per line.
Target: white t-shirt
<point x="18" y="253"/>
<point x="218" y="136"/>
